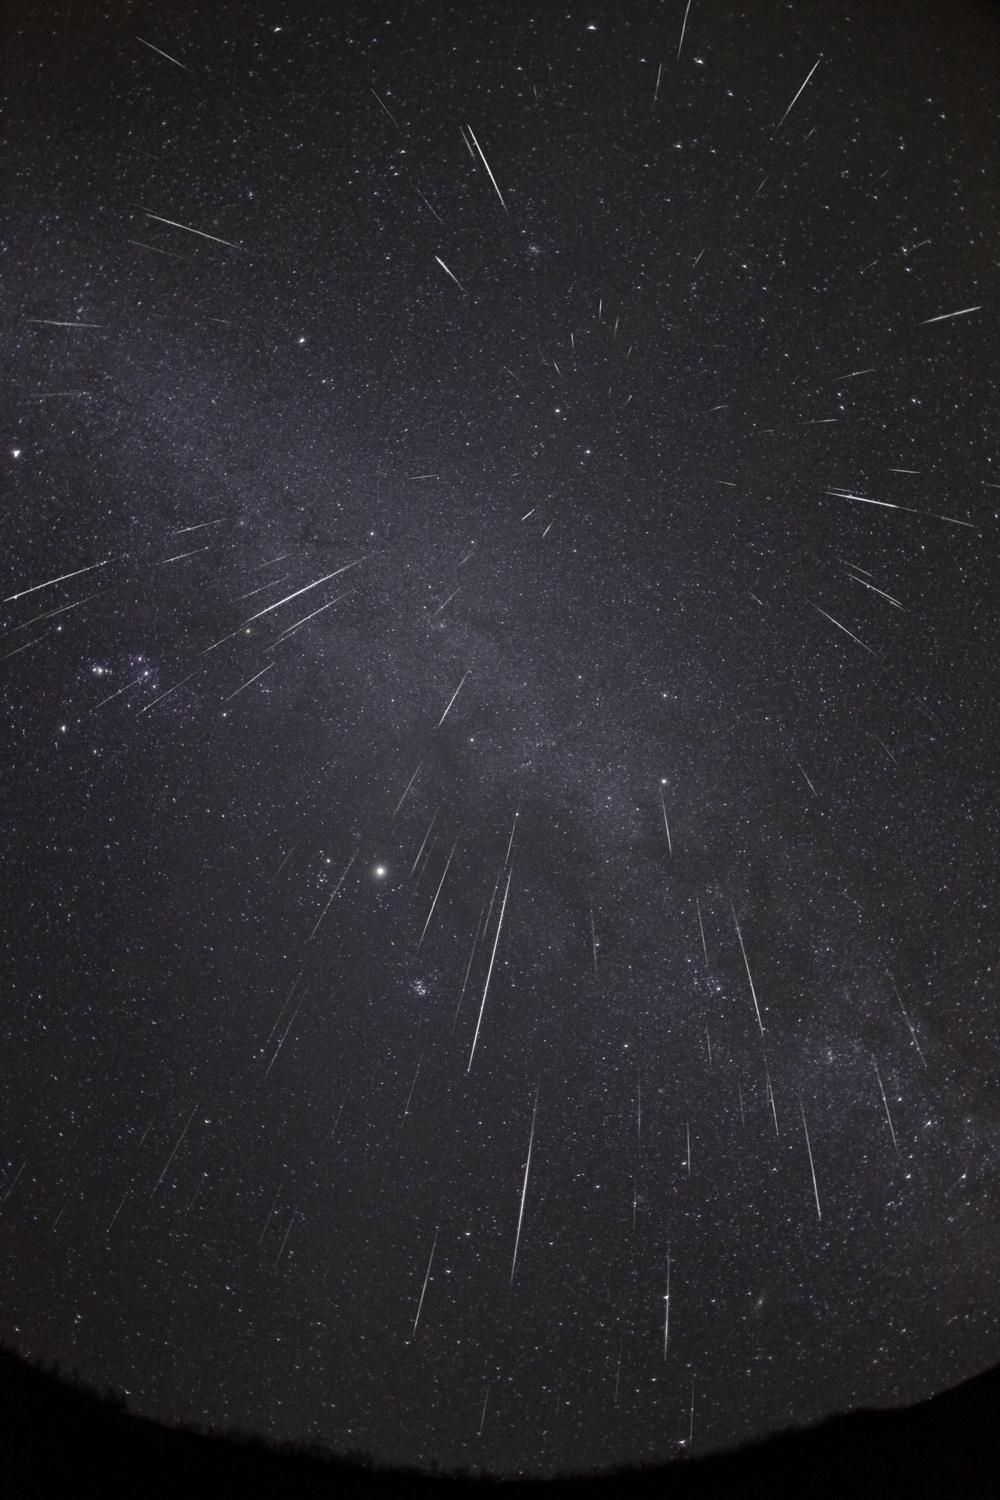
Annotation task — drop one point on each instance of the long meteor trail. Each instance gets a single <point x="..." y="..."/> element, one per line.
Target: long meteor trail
<point x="812" y="1166"/>
<point x="423" y="1290"/>
<point x="889" y="505"/>
<point x="942" y="317"/>
<point x="408" y="785"/>
<point x="797" y="96"/>
<point x="315" y="585"/>
<point x="666" y="825"/>
<point x="524" y="1187"/>
<point x="50" y="581"/>
<point x="153" y="48"/>
<point x="489" y="972"/>
<point x="188" y="230"/>
<point x="487" y="166"/>
<point x="452" y="699"/>
<point x="437" y="893"/>
<point x="684" y="23"/>
<point x="746" y="961"/>
<point x="446" y="271"/>
<point x="333" y="893"/>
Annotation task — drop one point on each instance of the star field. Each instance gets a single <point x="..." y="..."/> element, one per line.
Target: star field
<point x="498" y="680"/>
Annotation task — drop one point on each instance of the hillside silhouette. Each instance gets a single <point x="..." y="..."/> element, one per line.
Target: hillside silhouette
<point x="59" y="1438"/>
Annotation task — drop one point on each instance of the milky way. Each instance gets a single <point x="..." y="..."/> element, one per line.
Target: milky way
<point x="498" y="676"/>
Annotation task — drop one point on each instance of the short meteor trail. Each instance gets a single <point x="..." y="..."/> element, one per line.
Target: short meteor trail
<point x="116" y="692"/>
<point x="50" y="614"/>
<point x="802" y="768"/>
<point x="383" y="106"/>
<point x="298" y="624"/>
<point x="435" y="612"/>
<point x="284" y="1036"/>
<point x="769" y="1090"/>
<point x="114" y="1217"/>
<point x="909" y="1023"/>
<point x="286" y="858"/>
<point x="199" y="527"/>
<point x="429" y="205"/>
<point x="425" y="838"/>
<point x="261" y="587"/>
<point x="148" y="706"/>
<point x="409" y="1097"/>
<point x="472" y="954"/>
<point x="701" y="929"/>
<point x="161" y="562"/>
<point x="28" y="644"/>
<point x="16" y="1180"/>
<point x="889" y="505"/>
<point x="875" y="590"/>
<point x="177" y="1146"/>
<point x="291" y="1223"/>
<point x="513" y="830"/>
<point x="524" y="1187"/>
<point x="155" y="249"/>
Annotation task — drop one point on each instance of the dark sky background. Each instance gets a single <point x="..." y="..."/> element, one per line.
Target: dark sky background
<point x="672" y="446"/>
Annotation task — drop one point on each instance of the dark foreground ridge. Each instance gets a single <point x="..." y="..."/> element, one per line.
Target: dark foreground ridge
<point x="57" y="1439"/>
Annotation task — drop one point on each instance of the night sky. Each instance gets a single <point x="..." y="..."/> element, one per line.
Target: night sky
<point x="499" y="716"/>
